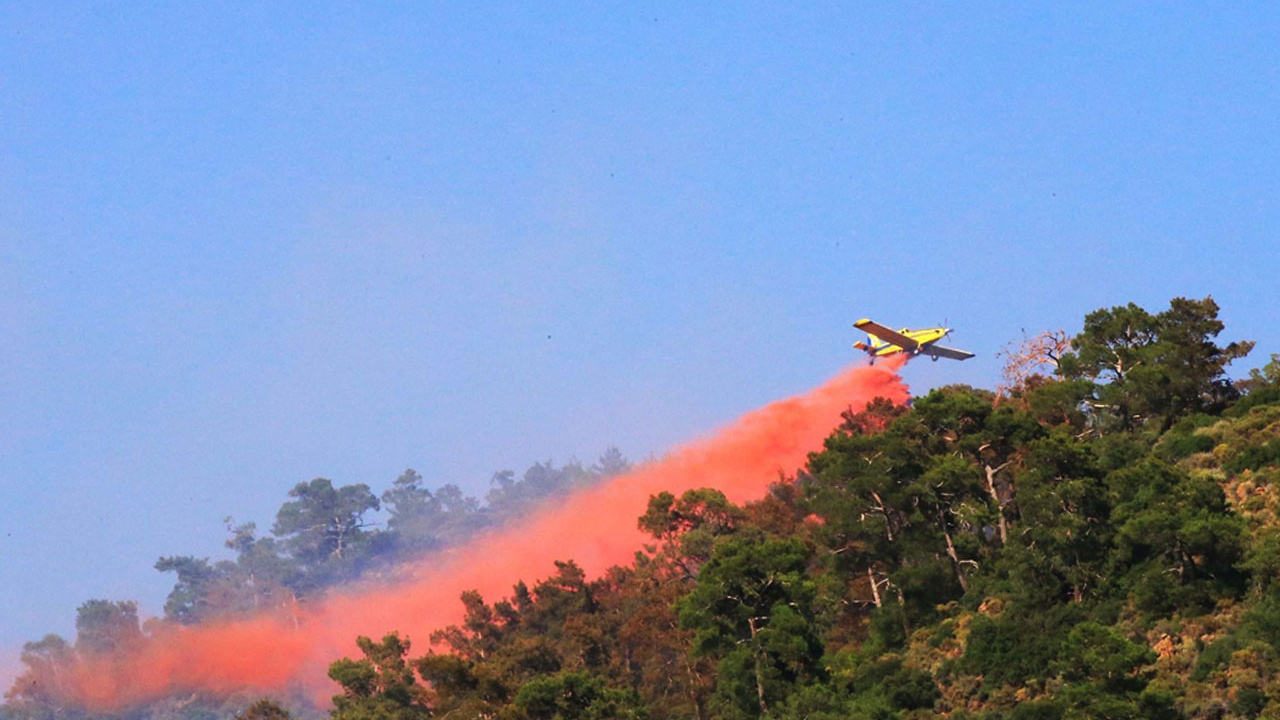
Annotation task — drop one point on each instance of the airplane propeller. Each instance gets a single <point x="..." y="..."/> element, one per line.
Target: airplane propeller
<point x="946" y="329"/>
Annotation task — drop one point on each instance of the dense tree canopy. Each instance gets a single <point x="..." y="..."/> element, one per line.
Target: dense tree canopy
<point x="1101" y="540"/>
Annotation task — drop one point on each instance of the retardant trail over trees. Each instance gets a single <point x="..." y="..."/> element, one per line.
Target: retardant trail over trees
<point x="1101" y="539"/>
<point x="596" y="528"/>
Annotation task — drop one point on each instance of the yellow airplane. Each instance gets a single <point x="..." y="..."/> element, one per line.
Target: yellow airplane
<point x="882" y="342"/>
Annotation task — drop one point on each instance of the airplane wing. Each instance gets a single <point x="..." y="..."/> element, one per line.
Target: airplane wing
<point x="885" y="333"/>
<point x="946" y="352"/>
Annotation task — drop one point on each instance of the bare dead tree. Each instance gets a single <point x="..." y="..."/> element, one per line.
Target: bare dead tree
<point x="1034" y="355"/>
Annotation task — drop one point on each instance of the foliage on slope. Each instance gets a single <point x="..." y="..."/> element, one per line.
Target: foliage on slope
<point x="1099" y="541"/>
<point x="324" y="535"/>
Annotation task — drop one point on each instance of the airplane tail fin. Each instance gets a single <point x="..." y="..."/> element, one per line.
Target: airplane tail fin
<point x="869" y="345"/>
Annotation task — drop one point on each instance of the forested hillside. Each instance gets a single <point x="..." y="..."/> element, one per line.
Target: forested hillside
<point x="324" y="537"/>
<point x="1097" y="539"/>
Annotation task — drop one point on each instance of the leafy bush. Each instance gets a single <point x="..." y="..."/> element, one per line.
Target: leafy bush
<point x="1008" y="651"/>
<point x="1254" y="457"/>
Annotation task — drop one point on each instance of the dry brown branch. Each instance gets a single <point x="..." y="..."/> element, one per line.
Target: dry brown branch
<point x="1033" y="356"/>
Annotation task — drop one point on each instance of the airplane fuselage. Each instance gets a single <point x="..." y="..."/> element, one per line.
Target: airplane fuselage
<point x="882" y="348"/>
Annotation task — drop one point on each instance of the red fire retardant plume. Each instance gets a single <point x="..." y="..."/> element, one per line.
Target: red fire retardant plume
<point x="595" y="527"/>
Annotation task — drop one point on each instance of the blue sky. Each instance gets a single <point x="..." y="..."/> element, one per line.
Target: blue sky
<point x="242" y="246"/>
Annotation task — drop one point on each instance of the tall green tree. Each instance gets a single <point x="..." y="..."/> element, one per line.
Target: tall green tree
<point x="422" y="520"/>
<point x="260" y="579"/>
<point x="1146" y="367"/>
<point x="1176" y="539"/>
<point x="858" y="487"/>
<point x="686" y="528"/>
<point x="104" y="627"/>
<point x="1063" y="540"/>
<point x="752" y="610"/>
<point x="188" y="599"/>
<point x="324" y="528"/>
<point x="379" y="686"/>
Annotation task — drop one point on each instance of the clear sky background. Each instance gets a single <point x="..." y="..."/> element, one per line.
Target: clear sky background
<point x="243" y="245"/>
